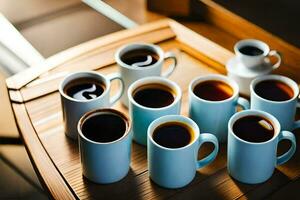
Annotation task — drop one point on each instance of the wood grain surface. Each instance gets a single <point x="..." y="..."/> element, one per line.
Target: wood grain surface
<point x="38" y="113"/>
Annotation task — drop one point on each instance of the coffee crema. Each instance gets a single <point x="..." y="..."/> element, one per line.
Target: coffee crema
<point x="103" y="128"/>
<point x="84" y="88"/>
<point x="140" y="58"/>
<point x="253" y="129"/>
<point x="251" y="50"/>
<point x="213" y="90"/>
<point x="173" y="134"/>
<point x="154" y="95"/>
<point x="274" y="90"/>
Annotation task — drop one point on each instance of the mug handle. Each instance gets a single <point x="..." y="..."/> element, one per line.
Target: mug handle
<point x="118" y="95"/>
<point x="171" y="68"/>
<point x="277" y="55"/>
<point x="244" y="103"/>
<point x="207" y="137"/>
<point x="286" y="135"/>
<point x="297" y="123"/>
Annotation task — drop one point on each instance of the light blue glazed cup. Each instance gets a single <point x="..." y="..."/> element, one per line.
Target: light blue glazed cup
<point x="105" y="162"/>
<point x="253" y="163"/>
<point x="142" y="116"/>
<point x="284" y="111"/>
<point x="175" y="168"/>
<point x="213" y="116"/>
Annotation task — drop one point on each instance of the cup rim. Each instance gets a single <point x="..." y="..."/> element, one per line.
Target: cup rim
<point x="152" y="80"/>
<point x="240" y="43"/>
<point x="292" y="84"/>
<point x="216" y="77"/>
<point x="171" y="118"/>
<point x="96" y="112"/>
<point x="73" y="76"/>
<point x="139" y="45"/>
<point x="260" y="113"/>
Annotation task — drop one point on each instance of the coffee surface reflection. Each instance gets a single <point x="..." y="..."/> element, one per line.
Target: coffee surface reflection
<point x="254" y="129"/>
<point x="140" y="58"/>
<point x="84" y="89"/>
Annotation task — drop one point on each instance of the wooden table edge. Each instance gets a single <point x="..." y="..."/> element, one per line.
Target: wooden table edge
<point x="47" y="173"/>
<point x="19" y="80"/>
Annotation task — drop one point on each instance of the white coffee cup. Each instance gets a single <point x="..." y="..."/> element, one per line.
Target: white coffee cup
<point x="256" y="61"/>
<point x="73" y="109"/>
<point x="130" y="73"/>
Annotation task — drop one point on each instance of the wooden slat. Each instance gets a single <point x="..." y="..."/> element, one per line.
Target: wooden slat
<point x="7" y="123"/>
<point x="201" y="44"/>
<point x="21" y="79"/>
<point x="96" y="59"/>
<point x="290" y="191"/>
<point x="45" y="168"/>
<point x="15" y="96"/>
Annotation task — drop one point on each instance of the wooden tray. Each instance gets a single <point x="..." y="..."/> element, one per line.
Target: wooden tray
<point x="37" y="108"/>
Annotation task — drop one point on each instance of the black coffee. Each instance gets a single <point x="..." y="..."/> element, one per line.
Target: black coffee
<point x="140" y="58"/>
<point x="253" y="129"/>
<point x="106" y="127"/>
<point x="274" y="90"/>
<point x="173" y="135"/>
<point x="84" y="89"/>
<point x="213" y="90"/>
<point x="251" y="51"/>
<point x="154" y="95"/>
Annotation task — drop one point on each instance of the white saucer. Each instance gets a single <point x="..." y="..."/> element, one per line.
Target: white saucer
<point x="243" y="75"/>
<point x="236" y="67"/>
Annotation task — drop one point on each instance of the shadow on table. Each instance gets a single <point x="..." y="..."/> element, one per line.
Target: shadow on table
<point x="119" y="190"/>
<point x="262" y="190"/>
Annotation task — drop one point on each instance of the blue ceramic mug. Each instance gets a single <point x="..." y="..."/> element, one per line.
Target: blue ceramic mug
<point x="109" y="161"/>
<point x="254" y="162"/>
<point x="284" y="111"/>
<point x="213" y="116"/>
<point x="176" y="167"/>
<point x="142" y="116"/>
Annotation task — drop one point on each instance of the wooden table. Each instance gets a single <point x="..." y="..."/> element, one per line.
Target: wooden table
<point x="36" y="104"/>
